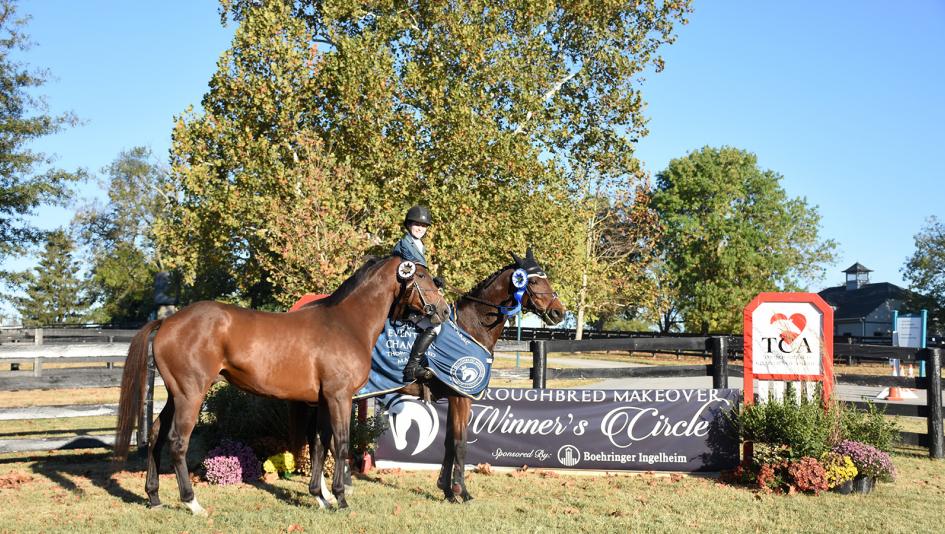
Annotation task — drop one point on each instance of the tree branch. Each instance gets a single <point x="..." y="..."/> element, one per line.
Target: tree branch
<point x="546" y="97"/>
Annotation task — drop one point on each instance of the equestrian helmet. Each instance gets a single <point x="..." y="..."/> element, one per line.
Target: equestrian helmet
<point x="418" y="214"/>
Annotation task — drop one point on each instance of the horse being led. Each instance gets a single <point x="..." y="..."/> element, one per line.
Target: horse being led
<point x="482" y="312"/>
<point x="319" y="355"/>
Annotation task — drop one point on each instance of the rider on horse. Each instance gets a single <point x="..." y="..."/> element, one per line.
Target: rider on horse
<point x="411" y="248"/>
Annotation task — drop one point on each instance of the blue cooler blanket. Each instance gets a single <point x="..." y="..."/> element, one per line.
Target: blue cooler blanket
<point x="455" y="358"/>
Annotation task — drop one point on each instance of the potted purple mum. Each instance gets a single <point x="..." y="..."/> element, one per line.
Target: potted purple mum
<point x="871" y="463"/>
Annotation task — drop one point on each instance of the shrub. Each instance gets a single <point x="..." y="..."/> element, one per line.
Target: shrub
<point x="364" y="435"/>
<point x="805" y="429"/>
<point x="230" y="463"/>
<point x="870" y="427"/>
<point x="233" y="414"/>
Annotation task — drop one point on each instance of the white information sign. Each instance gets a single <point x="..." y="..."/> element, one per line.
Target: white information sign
<point x="908" y="331"/>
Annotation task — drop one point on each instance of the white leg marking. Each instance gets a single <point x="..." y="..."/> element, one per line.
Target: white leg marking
<point x="195" y="508"/>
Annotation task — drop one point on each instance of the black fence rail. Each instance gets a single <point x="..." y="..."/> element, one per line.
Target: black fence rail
<point x="847" y="349"/>
<point x="530" y="334"/>
<point x="720" y="371"/>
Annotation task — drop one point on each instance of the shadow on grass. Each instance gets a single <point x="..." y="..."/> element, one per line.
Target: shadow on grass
<point x="98" y="468"/>
<point x="379" y="480"/>
<point x="288" y="495"/>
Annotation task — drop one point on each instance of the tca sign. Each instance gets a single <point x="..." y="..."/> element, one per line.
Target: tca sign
<point x="788" y="337"/>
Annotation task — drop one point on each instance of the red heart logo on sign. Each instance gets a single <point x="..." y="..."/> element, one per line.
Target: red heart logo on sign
<point x="797" y="319"/>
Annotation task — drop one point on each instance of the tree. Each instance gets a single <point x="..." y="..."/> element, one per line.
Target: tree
<point x="621" y="236"/>
<point x="732" y="232"/>
<point x="119" y="237"/>
<point x="54" y="293"/>
<point x="476" y="109"/>
<point x="24" y="182"/>
<point x="925" y="271"/>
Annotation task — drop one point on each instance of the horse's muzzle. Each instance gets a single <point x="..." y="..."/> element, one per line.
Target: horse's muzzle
<point x="554" y="317"/>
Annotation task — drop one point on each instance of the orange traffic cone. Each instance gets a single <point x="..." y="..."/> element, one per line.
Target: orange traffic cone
<point x="894" y="394"/>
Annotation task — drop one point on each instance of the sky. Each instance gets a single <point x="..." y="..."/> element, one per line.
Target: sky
<point x="843" y="98"/>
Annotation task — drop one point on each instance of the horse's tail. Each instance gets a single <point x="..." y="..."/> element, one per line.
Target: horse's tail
<point x="129" y="403"/>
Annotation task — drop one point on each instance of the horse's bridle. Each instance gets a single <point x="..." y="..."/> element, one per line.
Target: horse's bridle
<point x="543" y="313"/>
<point x="427" y="309"/>
<point x="531" y="299"/>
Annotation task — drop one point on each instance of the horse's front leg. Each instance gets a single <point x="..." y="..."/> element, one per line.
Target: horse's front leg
<point x="458" y="417"/>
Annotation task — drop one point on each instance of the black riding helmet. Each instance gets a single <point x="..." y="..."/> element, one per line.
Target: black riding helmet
<point x="418" y="214"/>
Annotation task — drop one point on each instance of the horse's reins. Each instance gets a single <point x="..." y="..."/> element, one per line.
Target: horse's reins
<point x="499" y="307"/>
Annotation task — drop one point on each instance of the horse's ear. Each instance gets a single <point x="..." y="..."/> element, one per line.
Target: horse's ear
<point x="518" y="261"/>
<point x="529" y="255"/>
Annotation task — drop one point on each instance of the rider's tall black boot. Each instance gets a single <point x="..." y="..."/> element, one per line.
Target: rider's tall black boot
<point x="420" y="346"/>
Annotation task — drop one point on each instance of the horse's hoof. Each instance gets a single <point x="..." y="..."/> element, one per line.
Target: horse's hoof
<point x="155" y="506"/>
<point x="196" y="509"/>
<point x="322" y="502"/>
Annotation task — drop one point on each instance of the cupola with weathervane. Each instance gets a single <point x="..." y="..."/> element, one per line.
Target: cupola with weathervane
<point x="857" y="276"/>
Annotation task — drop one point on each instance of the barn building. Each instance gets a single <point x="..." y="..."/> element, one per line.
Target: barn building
<point x="862" y="308"/>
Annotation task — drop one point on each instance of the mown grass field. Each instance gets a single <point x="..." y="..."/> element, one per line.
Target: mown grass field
<point x="86" y="492"/>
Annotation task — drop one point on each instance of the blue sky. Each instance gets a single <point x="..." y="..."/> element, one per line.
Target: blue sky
<point x="844" y="99"/>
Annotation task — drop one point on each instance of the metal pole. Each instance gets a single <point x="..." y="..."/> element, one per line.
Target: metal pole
<point x="518" y="338"/>
<point x="539" y="363"/>
<point x="719" y="362"/>
<point x="934" y="400"/>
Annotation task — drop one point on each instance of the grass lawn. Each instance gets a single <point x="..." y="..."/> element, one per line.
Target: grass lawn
<point x="85" y="492"/>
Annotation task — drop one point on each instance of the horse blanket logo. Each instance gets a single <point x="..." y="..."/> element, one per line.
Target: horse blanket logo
<point x="455" y="358"/>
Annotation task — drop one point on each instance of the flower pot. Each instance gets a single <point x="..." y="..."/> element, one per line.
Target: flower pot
<point x="843" y="489"/>
<point x="863" y="484"/>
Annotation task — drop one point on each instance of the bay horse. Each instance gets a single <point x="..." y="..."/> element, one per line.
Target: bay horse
<point x="320" y="355"/>
<point x="482" y="312"/>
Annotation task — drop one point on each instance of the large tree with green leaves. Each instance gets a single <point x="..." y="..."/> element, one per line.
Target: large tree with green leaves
<point x="732" y="231"/>
<point x="53" y="292"/>
<point x="925" y="271"/>
<point x="27" y="179"/>
<point x="119" y="240"/>
<point x="504" y="118"/>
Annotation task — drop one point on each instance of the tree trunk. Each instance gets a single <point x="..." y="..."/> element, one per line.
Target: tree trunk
<point x="579" y="329"/>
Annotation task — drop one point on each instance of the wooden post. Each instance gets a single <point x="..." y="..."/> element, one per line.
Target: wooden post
<point x="934" y="401"/>
<point x="539" y="364"/>
<point x="38" y="362"/>
<point x="719" y="362"/>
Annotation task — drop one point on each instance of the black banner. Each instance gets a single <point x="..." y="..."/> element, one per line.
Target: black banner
<point x="640" y="429"/>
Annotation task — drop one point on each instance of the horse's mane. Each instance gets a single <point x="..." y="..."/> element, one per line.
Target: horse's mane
<point x="488" y="280"/>
<point x="351" y="282"/>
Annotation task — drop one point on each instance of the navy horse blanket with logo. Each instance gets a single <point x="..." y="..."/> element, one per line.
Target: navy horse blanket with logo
<point x="455" y="358"/>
